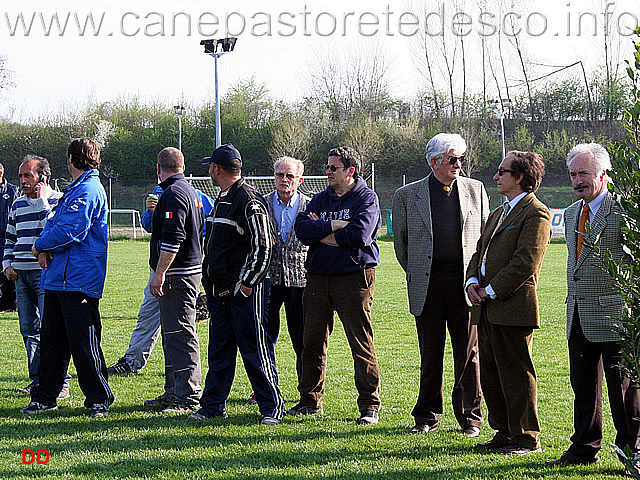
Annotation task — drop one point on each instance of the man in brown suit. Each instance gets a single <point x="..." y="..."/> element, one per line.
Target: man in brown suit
<point x="436" y="224"/>
<point x="593" y="309"/>
<point x="502" y="283"/>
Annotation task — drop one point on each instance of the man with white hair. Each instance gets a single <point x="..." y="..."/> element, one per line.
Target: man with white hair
<point x="593" y="310"/>
<point x="287" y="272"/>
<point x="436" y="224"/>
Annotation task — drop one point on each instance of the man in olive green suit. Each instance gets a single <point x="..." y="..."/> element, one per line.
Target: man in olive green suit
<point x="502" y="280"/>
<point x="436" y="224"/>
<point x="593" y="309"/>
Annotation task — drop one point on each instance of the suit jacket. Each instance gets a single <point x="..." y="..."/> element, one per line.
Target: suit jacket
<point x="588" y="284"/>
<point x="413" y="235"/>
<point x="288" y="257"/>
<point x="514" y="258"/>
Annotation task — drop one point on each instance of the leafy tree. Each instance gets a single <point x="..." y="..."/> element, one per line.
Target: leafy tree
<point x="625" y="159"/>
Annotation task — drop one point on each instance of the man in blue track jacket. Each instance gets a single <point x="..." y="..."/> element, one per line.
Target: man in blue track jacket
<point x="340" y="226"/>
<point x="72" y="251"/>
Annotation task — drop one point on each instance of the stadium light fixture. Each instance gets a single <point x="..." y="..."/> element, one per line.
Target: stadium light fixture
<point x="217" y="48"/>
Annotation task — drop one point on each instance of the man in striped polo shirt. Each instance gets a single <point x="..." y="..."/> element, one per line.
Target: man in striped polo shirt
<point x="27" y="217"/>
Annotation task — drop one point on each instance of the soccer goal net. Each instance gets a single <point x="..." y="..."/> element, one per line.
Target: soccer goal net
<point x="310" y="186"/>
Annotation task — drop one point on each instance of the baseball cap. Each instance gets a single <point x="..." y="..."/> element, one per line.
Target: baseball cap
<point x="226" y="155"/>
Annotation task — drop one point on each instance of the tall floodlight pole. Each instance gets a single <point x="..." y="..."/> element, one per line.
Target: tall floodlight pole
<point x="499" y="108"/>
<point x="179" y="111"/>
<point x="217" y="48"/>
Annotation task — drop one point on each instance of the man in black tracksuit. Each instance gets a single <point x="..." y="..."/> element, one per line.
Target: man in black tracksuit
<point x="238" y="252"/>
<point x="176" y="261"/>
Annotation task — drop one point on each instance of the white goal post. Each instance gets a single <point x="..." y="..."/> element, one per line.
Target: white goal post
<point x="135" y="218"/>
<point x="311" y="185"/>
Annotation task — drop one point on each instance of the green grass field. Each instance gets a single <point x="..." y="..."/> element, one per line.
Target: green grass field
<point x="133" y="442"/>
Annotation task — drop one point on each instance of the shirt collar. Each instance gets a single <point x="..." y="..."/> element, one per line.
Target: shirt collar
<point x="594" y="205"/>
<point x="292" y="200"/>
<point x="512" y="203"/>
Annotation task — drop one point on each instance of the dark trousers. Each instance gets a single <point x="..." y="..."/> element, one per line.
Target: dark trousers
<point x="71" y="328"/>
<point x="180" y="341"/>
<point x="587" y="362"/>
<point x="509" y="382"/>
<point x="7" y="294"/>
<point x="291" y="298"/>
<point x="239" y="324"/>
<point x="446" y="307"/>
<point x="351" y="295"/>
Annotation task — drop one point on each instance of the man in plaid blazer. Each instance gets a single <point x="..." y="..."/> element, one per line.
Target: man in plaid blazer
<point x="287" y="272"/>
<point x="593" y="309"/>
<point x="502" y="284"/>
<point x="436" y="224"/>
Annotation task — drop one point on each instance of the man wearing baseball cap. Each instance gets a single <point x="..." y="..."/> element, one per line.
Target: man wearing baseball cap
<point x="237" y="255"/>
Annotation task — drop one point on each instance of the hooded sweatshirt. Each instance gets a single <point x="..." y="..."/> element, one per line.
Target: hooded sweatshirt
<point x="357" y="248"/>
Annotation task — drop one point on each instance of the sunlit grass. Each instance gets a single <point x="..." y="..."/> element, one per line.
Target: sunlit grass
<point x="136" y="443"/>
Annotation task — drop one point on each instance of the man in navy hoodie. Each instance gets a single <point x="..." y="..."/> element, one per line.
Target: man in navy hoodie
<point x="340" y="226"/>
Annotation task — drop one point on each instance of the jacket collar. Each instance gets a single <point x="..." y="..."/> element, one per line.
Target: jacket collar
<point x="423" y="201"/>
<point x="92" y="172"/>
<point x="517" y="210"/>
<point x="172" y="179"/>
<point x="597" y="226"/>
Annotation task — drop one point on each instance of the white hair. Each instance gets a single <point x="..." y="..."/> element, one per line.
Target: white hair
<point x="595" y="151"/>
<point x="442" y="143"/>
<point x="281" y="160"/>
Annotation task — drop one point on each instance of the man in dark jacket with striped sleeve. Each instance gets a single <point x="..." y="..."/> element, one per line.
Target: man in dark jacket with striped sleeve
<point x="238" y="249"/>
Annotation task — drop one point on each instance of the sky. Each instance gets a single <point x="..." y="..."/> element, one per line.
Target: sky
<point x="150" y="49"/>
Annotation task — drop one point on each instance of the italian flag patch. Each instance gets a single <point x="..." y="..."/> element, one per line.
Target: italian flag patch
<point x="168" y="215"/>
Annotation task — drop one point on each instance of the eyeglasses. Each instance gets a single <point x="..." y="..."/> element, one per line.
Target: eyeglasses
<point x="502" y="171"/>
<point x="453" y="160"/>
<point x="333" y="168"/>
<point x="290" y="176"/>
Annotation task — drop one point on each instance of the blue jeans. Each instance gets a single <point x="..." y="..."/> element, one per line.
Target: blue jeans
<point x="30" y="307"/>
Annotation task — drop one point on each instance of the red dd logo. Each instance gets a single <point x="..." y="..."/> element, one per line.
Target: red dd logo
<point x="40" y="456"/>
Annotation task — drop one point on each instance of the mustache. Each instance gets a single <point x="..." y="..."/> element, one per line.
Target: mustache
<point x="582" y="186"/>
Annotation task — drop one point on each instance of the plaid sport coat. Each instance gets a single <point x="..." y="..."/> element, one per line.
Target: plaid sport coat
<point x="288" y="257"/>
<point x="588" y="283"/>
<point x="413" y="234"/>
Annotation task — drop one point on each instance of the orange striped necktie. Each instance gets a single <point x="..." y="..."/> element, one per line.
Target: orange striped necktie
<point x="584" y="218"/>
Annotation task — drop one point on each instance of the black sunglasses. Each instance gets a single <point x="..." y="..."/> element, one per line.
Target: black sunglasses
<point x="453" y="160"/>
<point x="502" y="171"/>
<point x="333" y="168"/>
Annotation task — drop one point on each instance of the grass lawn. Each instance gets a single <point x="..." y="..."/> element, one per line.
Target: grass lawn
<point x="133" y="442"/>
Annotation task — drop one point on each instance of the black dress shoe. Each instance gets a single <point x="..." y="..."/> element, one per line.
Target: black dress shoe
<point x="491" y="445"/>
<point x="517" y="450"/>
<point x="571" y="459"/>
<point x="424" y="428"/>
